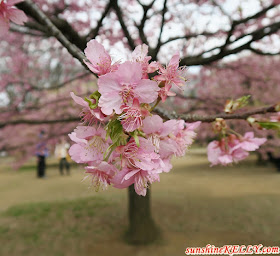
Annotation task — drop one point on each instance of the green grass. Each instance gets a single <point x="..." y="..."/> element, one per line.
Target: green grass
<point x="49" y="225"/>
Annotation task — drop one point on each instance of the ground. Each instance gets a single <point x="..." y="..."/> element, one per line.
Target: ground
<point x="194" y="205"/>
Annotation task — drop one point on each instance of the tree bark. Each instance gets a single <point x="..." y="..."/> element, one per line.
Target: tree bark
<point x="142" y="228"/>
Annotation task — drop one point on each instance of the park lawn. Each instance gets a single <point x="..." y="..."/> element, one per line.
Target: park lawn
<point x="194" y="205"/>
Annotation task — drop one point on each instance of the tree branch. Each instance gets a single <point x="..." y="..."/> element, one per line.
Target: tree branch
<point x="54" y="31"/>
<point x="143" y="21"/>
<point x="94" y="32"/>
<point x="36" y="122"/>
<point x="156" y="50"/>
<point x="259" y="52"/>
<point x="124" y="27"/>
<point x="211" y="118"/>
<point x="163" y="113"/>
<point x="256" y="35"/>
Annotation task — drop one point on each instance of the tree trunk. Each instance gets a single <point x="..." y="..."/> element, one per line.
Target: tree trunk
<point x="142" y="229"/>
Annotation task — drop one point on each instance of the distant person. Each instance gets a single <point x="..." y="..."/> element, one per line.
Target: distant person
<point x="41" y="153"/>
<point x="61" y="152"/>
<point x="274" y="160"/>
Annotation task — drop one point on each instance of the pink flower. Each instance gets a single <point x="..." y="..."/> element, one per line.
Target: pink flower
<point x="232" y="148"/>
<point x="90" y="144"/>
<point x="158" y="132"/>
<point x="131" y="119"/>
<point x="140" y="178"/>
<point x="123" y="86"/>
<point x="249" y="143"/>
<point x="101" y="174"/>
<point x="8" y="12"/>
<point x="170" y="137"/>
<point x="100" y="61"/>
<point x="223" y="152"/>
<point x="171" y="75"/>
<point x="140" y="55"/>
<point x="184" y="138"/>
<point x="142" y="157"/>
<point x="89" y="116"/>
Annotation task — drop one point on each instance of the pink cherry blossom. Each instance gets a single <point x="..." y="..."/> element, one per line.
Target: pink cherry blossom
<point x="89" y="116"/>
<point x="131" y="119"/>
<point x="233" y="148"/>
<point x="8" y="12"/>
<point x="249" y="143"/>
<point x="171" y="75"/>
<point x="100" y="61"/>
<point x="90" y="144"/>
<point x="158" y="132"/>
<point x="140" y="55"/>
<point x="223" y="152"/>
<point x="140" y="178"/>
<point x="101" y="174"/>
<point x="142" y="157"/>
<point x="170" y="137"/>
<point x="123" y="86"/>
<point x="185" y="137"/>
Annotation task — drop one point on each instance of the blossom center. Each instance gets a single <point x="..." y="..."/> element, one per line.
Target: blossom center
<point x="98" y="143"/>
<point x="127" y="93"/>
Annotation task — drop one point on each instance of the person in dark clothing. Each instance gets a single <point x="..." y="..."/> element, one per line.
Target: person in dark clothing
<point x="64" y="163"/>
<point x="41" y="153"/>
<point x="274" y="160"/>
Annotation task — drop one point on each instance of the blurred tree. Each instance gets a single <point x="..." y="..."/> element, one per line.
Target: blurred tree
<point x="37" y="72"/>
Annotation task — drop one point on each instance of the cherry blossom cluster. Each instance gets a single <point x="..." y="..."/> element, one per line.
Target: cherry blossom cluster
<point x="232" y="147"/>
<point x="120" y="141"/>
<point x="8" y="12"/>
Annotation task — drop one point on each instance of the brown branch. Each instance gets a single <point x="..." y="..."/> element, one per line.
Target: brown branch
<point x="68" y="31"/>
<point x="259" y="52"/>
<point x="37" y="122"/>
<point x="192" y="35"/>
<point x="54" y="31"/>
<point x="123" y="25"/>
<point x="256" y="35"/>
<point x="210" y="118"/>
<point x="156" y="50"/>
<point x="94" y="32"/>
<point x="163" y="113"/>
<point x="140" y="27"/>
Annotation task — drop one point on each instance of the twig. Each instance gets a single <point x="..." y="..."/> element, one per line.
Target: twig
<point x="210" y="118"/>
<point x="54" y="31"/>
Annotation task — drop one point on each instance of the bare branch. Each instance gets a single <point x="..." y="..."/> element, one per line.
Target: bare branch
<point x="143" y="21"/>
<point x="192" y="35"/>
<point x="211" y="118"/>
<point x="123" y="25"/>
<point x="37" y="122"/>
<point x="156" y="50"/>
<point x="259" y="52"/>
<point x="94" y="32"/>
<point x="256" y="35"/>
<point x="54" y="31"/>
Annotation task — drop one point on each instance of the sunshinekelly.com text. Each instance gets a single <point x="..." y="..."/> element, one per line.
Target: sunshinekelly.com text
<point x="233" y="250"/>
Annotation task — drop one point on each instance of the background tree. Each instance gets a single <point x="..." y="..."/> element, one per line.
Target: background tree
<point x="38" y="68"/>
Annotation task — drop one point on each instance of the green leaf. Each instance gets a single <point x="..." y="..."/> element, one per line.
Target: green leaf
<point x="134" y="134"/>
<point x="270" y="125"/>
<point x="233" y="105"/>
<point x="243" y="101"/>
<point x="115" y="132"/>
<point x="96" y="95"/>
